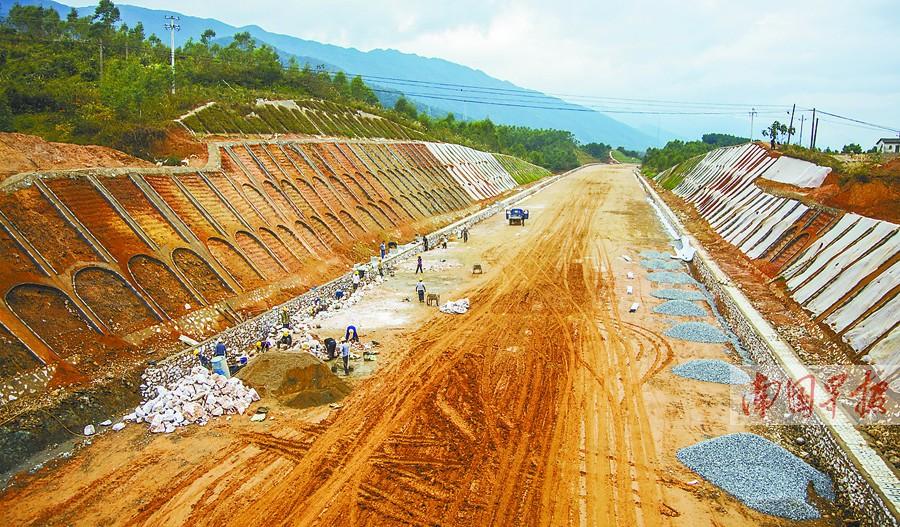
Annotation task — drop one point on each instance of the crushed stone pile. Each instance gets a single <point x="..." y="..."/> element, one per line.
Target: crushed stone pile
<point x="296" y="380"/>
<point x="196" y="398"/>
<point x="663" y="265"/>
<point x="712" y="370"/>
<point x="761" y="474"/>
<point x="697" y="332"/>
<point x="678" y="294"/>
<point x="682" y="308"/>
<point x="457" y="307"/>
<point x="669" y="277"/>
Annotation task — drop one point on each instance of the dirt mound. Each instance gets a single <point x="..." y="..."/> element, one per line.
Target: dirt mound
<point x="297" y="380"/>
<point x="28" y="153"/>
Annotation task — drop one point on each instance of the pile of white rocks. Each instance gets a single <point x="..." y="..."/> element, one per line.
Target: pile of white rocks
<point x="196" y="398"/>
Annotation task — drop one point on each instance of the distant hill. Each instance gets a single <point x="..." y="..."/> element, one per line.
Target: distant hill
<point x="587" y="125"/>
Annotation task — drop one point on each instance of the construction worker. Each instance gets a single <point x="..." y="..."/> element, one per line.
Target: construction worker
<point x="383" y="250"/>
<point x="285" y="317"/>
<point x="425" y="241"/>
<point x="220" y="349"/>
<point x="419" y="265"/>
<point x="330" y="347"/>
<point x="420" y="289"/>
<point x="345" y="356"/>
<point x="355" y="281"/>
<point x="286" y="338"/>
<point x="465" y="235"/>
<point x="381" y="268"/>
<point x="351" y="334"/>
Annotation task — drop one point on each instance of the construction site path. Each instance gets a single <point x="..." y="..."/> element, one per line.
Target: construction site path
<point x="548" y="403"/>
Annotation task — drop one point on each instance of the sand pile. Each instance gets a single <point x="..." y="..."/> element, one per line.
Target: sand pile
<point x="297" y="380"/>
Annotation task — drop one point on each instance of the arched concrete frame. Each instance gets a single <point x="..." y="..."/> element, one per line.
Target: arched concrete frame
<point x="235" y="263"/>
<point x="113" y="300"/>
<point x="171" y="296"/>
<point x="257" y="252"/>
<point x="15" y="357"/>
<point x="299" y="246"/>
<point x="366" y="215"/>
<point x="324" y="232"/>
<point x="356" y="225"/>
<point x="201" y="275"/>
<point x="33" y="303"/>
<point x="274" y="242"/>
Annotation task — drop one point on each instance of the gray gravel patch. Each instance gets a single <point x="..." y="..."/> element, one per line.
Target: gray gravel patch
<point x="659" y="264"/>
<point x="681" y="308"/>
<point x="697" y="332"/>
<point x="712" y="370"/>
<point x="668" y="277"/>
<point x="678" y="294"/>
<point x="655" y="254"/>
<point x="759" y="473"/>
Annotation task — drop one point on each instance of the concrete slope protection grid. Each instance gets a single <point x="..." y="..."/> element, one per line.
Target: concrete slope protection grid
<point x="841" y="267"/>
<point x="138" y="254"/>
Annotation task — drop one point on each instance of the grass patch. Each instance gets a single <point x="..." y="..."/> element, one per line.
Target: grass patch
<point x="620" y="156"/>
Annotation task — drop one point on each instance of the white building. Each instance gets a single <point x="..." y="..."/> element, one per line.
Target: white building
<point x="888" y="145"/>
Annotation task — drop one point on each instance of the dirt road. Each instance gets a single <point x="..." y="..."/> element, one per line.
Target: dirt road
<point x="546" y="404"/>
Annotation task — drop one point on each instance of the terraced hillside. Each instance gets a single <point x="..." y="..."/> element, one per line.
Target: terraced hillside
<point x="842" y="268"/>
<point x="307" y="117"/>
<point x="101" y="266"/>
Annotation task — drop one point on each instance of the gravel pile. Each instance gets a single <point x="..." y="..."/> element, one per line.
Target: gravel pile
<point x="655" y="254"/>
<point x="761" y="474"/>
<point x="658" y="264"/>
<point x="678" y="294"/>
<point x="668" y="277"/>
<point x="681" y="308"/>
<point x="712" y="370"/>
<point x="697" y="332"/>
<point x="196" y="398"/>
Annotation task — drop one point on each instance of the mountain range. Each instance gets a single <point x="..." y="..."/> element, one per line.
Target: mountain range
<point x="422" y="79"/>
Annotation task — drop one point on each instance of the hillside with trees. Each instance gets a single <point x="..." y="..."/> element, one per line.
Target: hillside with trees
<point x="658" y="159"/>
<point x="95" y="80"/>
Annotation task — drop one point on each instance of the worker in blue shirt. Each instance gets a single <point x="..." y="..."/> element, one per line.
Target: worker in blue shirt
<point x="351" y="334"/>
<point x="345" y="356"/>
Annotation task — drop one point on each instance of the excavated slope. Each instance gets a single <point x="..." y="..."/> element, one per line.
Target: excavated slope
<point x="100" y="265"/>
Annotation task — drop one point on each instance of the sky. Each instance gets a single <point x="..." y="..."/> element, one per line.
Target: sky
<point x="838" y="56"/>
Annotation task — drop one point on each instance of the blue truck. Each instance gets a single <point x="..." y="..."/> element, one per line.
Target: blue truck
<point x="516" y="216"/>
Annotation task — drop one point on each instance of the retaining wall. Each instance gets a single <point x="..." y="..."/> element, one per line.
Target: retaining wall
<point x="843" y="268"/>
<point x="135" y="254"/>
<point x="865" y="484"/>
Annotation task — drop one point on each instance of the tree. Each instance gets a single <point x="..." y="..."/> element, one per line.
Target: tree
<point x="361" y="92"/>
<point x="404" y="107"/>
<point x="775" y="130"/>
<point x="852" y="148"/>
<point x="106" y="14"/>
<point x="243" y="41"/>
<point x="207" y="36"/>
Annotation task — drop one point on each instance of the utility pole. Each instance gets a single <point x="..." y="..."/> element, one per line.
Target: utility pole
<point x="752" y="115"/>
<point x="172" y="26"/>
<point x="815" y="135"/>
<point x="800" y="139"/>
<point x="812" y="130"/>
<point x="791" y="126"/>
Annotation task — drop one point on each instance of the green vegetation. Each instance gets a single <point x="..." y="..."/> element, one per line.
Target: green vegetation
<point x="522" y="171"/>
<point x="599" y="151"/>
<point x="675" y="152"/>
<point x="626" y="156"/>
<point x="313" y="117"/>
<point x="776" y="130"/>
<point x="94" y="80"/>
<point x="852" y="148"/>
